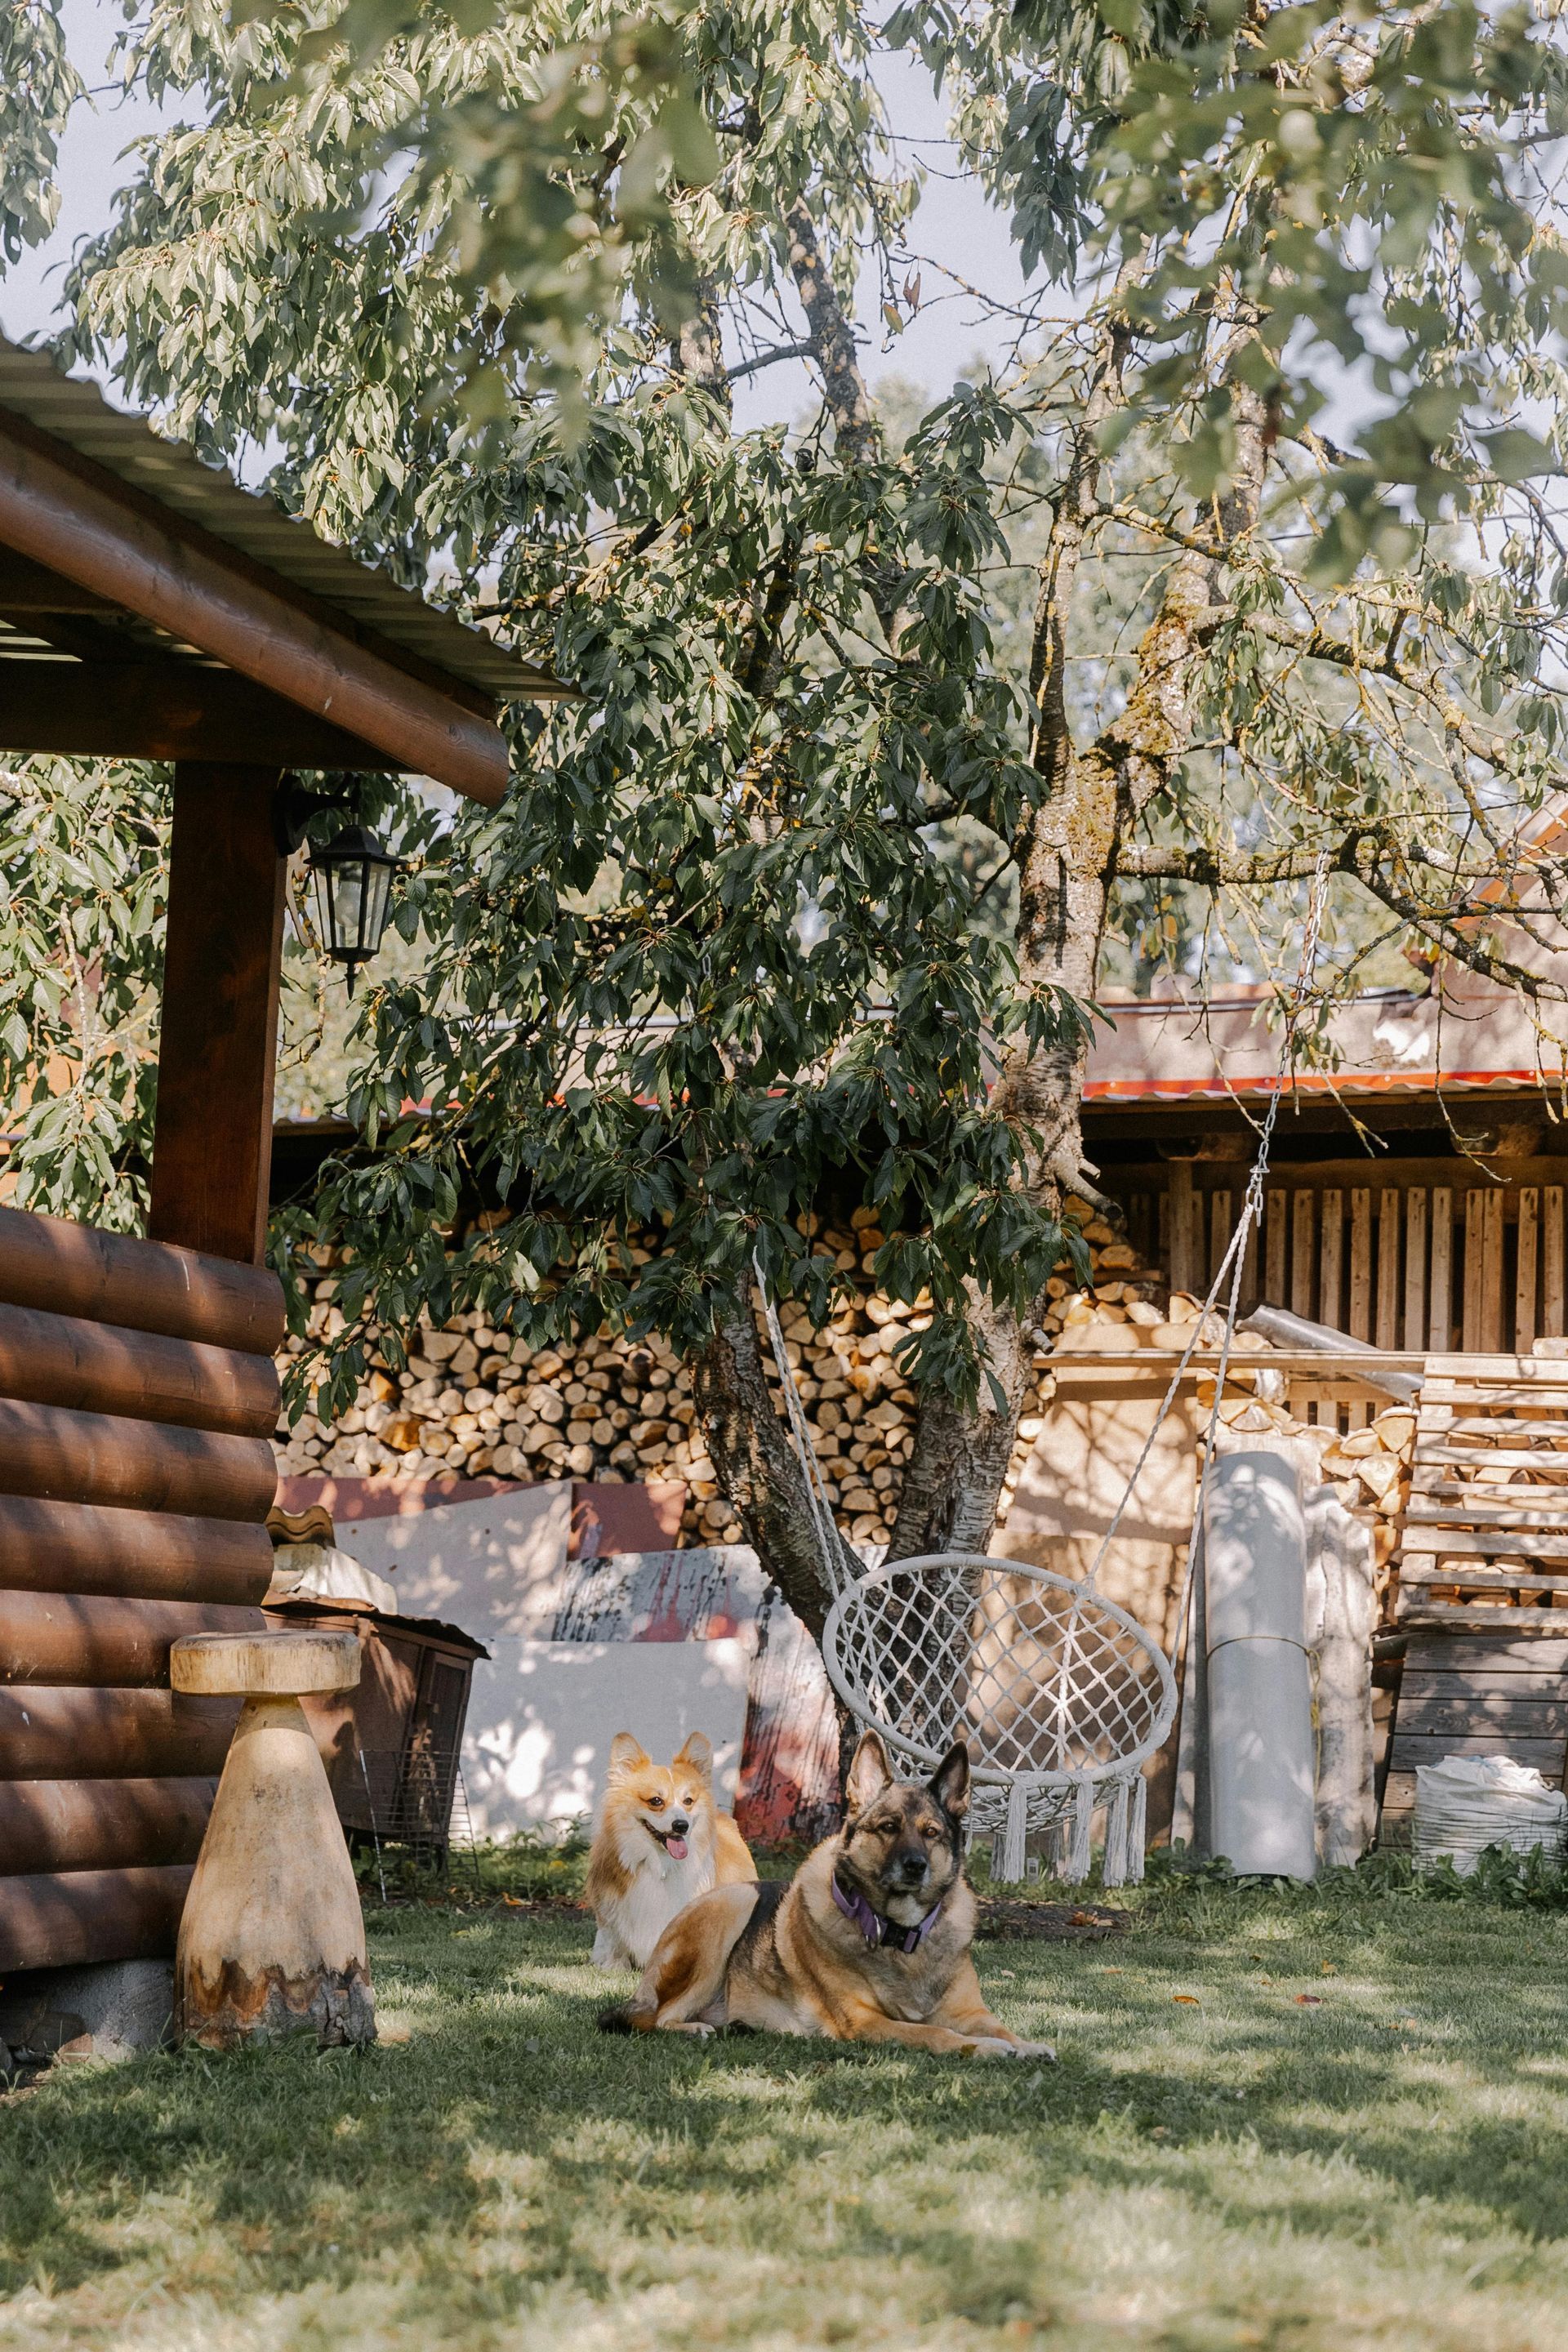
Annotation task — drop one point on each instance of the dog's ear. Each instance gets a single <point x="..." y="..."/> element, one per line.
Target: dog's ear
<point x="627" y="1756"/>
<point x="950" y="1781"/>
<point x="869" y="1773"/>
<point x="697" y="1755"/>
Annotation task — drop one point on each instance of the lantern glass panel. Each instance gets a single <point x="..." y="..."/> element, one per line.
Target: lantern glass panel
<point x="353" y="878"/>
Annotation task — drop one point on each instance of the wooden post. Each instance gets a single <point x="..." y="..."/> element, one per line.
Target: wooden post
<point x="1491" y="1271"/>
<point x="1275" y="1248"/>
<point x="1440" y="1299"/>
<point x="1524" y="1324"/>
<point x="1416" y="1267"/>
<point x="212" y="1139"/>
<point x="1219" y="1238"/>
<point x="1388" y="1268"/>
<point x="1249" y="1256"/>
<point x="1552" y="1272"/>
<point x="1331" y="1261"/>
<point x="1361" y="1264"/>
<point x="1303" y="1206"/>
<point x="1185" y="1265"/>
<point x="1471" y="1339"/>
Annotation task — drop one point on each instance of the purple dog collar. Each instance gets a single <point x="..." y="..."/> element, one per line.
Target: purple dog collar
<point x="877" y="1930"/>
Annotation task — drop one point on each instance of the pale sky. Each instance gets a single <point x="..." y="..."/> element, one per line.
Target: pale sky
<point x="954" y="226"/>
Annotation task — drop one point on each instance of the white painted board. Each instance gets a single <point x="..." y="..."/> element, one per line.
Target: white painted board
<point x="495" y="1567"/>
<point x="543" y="1714"/>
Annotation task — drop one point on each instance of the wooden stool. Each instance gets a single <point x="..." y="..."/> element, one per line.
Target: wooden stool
<point x="272" y="1941"/>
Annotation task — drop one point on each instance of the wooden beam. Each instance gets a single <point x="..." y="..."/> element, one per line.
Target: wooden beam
<point x="1553" y="1323"/>
<point x="1474" y="1208"/>
<point x="49" y="512"/>
<point x="58" y="1918"/>
<point x="212" y="1137"/>
<point x="1525" y="1276"/>
<point x="165" y="710"/>
<point x="1387" y="1332"/>
<point x="92" y="1368"/>
<point x="1491" y="1271"/>
<point x="1440" y="1300"/>
<point x="49" y="1825"/>
<point x="28" y="587"/>
<point x="1361" y="1264"/>
<point x="65" y="1638"/>
<point x="1303" y="1213"/>
<point x="1185" y="1263"/>
<point x="1275" y="1248"/>
<point x="1415" y="1317"/>
<point x="84" y="1548"/>
<point x="1330" y="1261"/>
<point x="50" y="1261"/>
<point x="99" y="1458"/>
<point x="49" y="1733"/>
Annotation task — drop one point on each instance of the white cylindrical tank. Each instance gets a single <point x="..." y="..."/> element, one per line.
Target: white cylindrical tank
<point x="1261" y="1747"/>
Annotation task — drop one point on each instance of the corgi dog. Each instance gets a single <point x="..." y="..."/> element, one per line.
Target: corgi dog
<point x="659" y="1841"/>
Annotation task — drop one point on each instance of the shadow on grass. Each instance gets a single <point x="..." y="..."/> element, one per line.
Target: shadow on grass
<point x="311" y="2167"/>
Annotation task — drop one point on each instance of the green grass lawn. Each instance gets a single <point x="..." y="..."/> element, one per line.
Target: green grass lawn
<point x="1214" y="2162"/>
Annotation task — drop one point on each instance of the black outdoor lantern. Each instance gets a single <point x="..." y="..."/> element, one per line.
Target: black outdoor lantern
<point x="354" y="882"/>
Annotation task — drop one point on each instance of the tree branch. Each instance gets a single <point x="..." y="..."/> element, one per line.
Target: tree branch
<point x="831" y="340"/>
<point x="770" y="358"/>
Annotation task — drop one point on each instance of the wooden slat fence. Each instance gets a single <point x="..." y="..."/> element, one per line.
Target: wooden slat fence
<point x="1406" y="1261"/>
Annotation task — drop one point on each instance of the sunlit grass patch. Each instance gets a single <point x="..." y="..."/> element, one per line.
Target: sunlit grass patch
<point x="1322" y="2121"/>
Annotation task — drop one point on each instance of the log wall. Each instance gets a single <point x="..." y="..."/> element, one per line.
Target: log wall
<point x="137" y="1398"/>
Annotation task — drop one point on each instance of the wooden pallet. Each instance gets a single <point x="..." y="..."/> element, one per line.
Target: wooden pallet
<point x="1485" y="1531"/>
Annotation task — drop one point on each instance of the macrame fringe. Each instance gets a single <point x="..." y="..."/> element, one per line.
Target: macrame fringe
<point x="1080" y="1842"/>
<point x="1138" y="1831"/>
<point x="1113" y="1871"/>
<point x="1014" y="1836"/>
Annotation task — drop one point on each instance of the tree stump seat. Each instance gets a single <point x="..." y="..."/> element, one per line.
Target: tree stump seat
<point x="272" y="1939"/>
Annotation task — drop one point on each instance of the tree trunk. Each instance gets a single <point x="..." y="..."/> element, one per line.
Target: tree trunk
<point x="751" y="1449"/>
<point x="948" y="1502"/>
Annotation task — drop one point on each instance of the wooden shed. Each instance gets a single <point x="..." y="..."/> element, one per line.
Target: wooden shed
<point x="150" y="608"/>
<point x="1417" y="1189"/>
<point x="392" y="1745"/>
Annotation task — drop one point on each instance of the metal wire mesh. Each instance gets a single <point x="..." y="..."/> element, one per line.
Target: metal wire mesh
<point x="1047" y="1682"/>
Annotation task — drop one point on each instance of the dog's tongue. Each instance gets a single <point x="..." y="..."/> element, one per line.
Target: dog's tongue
<point x="677" y="1846"/>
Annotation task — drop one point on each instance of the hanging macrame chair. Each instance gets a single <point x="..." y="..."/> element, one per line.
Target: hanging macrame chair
<point x="1060" y="1695"/>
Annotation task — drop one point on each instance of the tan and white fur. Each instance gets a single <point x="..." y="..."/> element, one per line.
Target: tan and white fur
<point x="660" y="1841"/>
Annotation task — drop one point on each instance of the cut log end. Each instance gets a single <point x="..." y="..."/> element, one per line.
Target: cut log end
<point x="266" y="1665"/>
<point x="226" y="2009"/>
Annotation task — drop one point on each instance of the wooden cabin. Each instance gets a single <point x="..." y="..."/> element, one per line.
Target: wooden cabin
<point x="1416" y="1196"/>
<point x="150" y="608"/>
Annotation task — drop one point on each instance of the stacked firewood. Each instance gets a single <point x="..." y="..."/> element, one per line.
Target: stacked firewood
<point x="1371" y="1466"/>
<point x="474" y="1402"/>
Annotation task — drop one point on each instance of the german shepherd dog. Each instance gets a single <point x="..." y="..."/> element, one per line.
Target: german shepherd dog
<point x="869" y="1942"/>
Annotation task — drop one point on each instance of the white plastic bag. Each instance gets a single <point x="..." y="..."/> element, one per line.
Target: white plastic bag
<point x="1469" y="1802"/>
